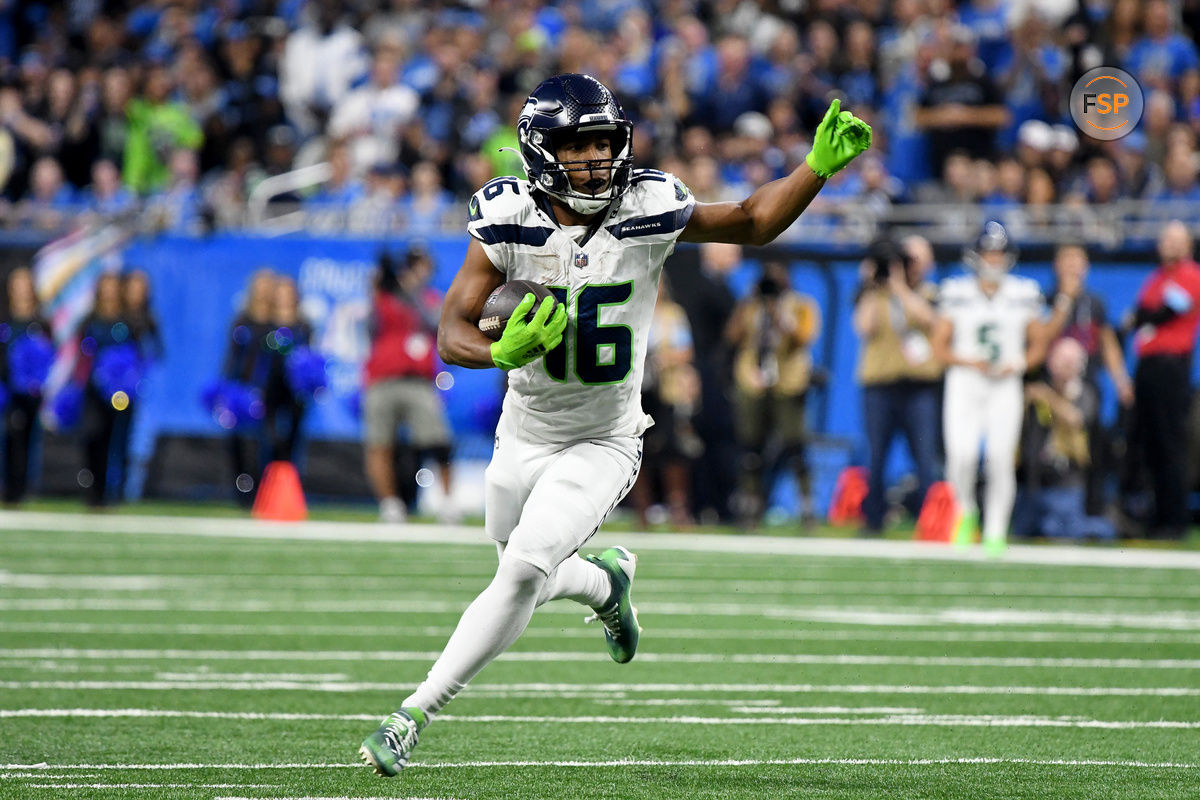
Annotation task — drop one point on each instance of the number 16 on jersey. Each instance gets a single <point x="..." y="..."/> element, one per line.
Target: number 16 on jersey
<point x="602" y="354"/>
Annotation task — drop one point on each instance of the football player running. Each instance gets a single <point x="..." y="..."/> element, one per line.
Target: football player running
<point x="990" y="332"/>
<point x="568" y="445"/>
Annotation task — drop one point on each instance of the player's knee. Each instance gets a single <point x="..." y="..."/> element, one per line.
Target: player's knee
<point x="517" y="576"/>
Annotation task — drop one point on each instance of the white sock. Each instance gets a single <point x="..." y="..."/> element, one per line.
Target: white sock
<point x="1001" y="492"/>
<point x="489" y="625"/>
<point x="579" y="580"/>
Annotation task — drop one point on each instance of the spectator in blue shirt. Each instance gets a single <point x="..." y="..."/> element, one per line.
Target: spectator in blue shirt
<point x="857" y="80"/>
<point x="1030" y="74"/>
<point x="176" y="207"/>
<point x="342" y="190"/>
<point x="1161" y="57"/>
<point x="1179" y="170"/>
<point x="50" y="200"/>
<point x="428" y="205"/>
<point x="1009" y="187"/>
<point x="106" y="196"/>
<point x="734" y="91"/>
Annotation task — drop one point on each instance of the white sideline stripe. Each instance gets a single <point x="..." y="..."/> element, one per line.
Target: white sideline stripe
<point x="647" y="586"/>
<point x="876" y="762"/>
<point x="617" y="689"/>
<point x="783" y="634"/>
<point x="712" y="543"/>
<point x="904" y="720"/>
<point x="68" y="653"/>
<point x="1160" y="620"/>
<point x="116" y="713"/>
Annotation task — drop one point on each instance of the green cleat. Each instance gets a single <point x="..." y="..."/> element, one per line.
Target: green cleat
<point x="995" y="548"/>
<point x="619" y="617"/>
<point x="387" y="750"/>
<point x="964" y="532"/>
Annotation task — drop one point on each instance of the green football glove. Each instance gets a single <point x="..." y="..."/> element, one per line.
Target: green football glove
<point x="838" y="139"/>
<point x="523" y="341"/>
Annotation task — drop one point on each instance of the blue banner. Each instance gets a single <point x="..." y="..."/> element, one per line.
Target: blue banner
<point x="198" y="287"/>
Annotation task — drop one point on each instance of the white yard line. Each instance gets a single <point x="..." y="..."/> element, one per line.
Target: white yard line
<point x="550" y="656"/>
<point x="149" y="786"/>
<point x="659" y="632"/>
<point x="712" y="543"/>
<point x="619" y="689"/>
<point x="880" y="762"/>
<point x="748" y="586"/>
<point x="899" y="617"/>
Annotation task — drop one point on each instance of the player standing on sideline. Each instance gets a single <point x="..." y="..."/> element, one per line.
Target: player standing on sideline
<point x="990" y="332"/>
<point x="568" y="444"/>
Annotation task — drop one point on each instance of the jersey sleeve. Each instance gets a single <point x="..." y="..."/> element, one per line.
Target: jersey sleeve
<point x="481" y="226"/>
<point x="659" y="207"/>
<point x="500" y="216"/>
<point x="1030" y="298"/>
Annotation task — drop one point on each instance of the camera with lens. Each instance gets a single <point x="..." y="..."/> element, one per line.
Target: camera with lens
<point x="884" y="253"/>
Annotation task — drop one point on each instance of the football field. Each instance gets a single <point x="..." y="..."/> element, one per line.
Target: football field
<point x="181" y="658"/>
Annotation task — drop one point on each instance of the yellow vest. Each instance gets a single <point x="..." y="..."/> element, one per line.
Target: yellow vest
<point x="773" y="353"/>
<point x="898" y="349"/>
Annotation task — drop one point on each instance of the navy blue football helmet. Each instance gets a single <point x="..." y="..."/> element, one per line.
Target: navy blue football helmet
<point x="993" y="239"/>
<point x="558" y="110"/>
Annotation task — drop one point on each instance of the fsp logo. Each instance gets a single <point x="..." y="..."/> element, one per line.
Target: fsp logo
<point x="1106" y="103"/>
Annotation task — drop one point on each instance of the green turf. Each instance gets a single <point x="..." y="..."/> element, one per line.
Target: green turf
<point x="874" y="678"/>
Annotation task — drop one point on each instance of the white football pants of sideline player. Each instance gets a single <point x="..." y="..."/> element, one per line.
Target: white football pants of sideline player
<point x="979" y="410"/>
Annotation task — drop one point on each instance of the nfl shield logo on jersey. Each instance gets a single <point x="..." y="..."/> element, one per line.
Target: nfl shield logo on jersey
<point x="581" y="259"/>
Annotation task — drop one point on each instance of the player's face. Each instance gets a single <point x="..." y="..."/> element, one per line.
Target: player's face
<point x="587" y="147"/>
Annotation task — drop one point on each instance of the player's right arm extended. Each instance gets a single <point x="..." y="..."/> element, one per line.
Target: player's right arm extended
<point x="459" y="339"/>
<point x="461" y="342"/>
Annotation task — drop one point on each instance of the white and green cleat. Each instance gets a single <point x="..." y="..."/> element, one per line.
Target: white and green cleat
<point x="618" y="615"/>
<point x="388" y="749"/>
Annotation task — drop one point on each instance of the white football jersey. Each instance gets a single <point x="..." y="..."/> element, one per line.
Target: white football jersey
<point x="992" y="328"/>
<point x="590" y="385"/>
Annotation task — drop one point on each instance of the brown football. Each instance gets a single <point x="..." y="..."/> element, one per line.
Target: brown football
<point x="503" y="301"/>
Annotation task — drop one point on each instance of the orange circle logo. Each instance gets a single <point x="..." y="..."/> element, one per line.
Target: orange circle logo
<point x="1106" y="103"/>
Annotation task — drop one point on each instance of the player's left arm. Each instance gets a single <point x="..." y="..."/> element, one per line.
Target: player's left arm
<point x="774" y="206"/>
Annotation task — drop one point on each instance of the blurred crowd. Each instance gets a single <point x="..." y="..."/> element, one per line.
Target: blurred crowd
<point x="184" y="108"/>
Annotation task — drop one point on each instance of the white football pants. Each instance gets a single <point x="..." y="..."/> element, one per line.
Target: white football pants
<point x="543" y="501"/>
<point x="979" y="410"/>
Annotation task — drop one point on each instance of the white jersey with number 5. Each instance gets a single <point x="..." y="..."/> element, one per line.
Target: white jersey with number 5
<point x="590" y="385"/>
<point x="990" y="329"/>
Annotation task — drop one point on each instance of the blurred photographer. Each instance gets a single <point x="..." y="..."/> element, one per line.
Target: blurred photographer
<point x="771" y="333"/>
<point x="901" y="379"/>
<point x="398" y="380"/>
